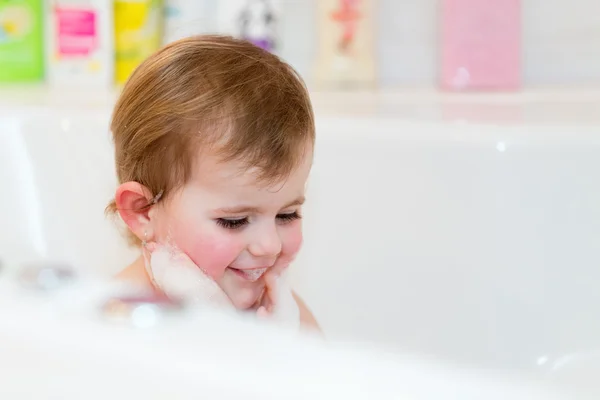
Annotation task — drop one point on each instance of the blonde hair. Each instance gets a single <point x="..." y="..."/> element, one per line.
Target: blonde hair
<point x="216" y="92"/>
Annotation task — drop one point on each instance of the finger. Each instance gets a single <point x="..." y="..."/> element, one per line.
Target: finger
<point x="169" y="255"/>
<point x="151" y="246"/>
<point x="270" y="296"/>
<point x="179" y="257"/>
<point x="262" y="312"/>
<point x="147" y="251"/>
<point x="277" y="270"/>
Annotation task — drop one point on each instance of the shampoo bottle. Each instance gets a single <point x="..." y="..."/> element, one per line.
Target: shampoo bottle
<point x="80" y="43"/>
<point x="480" y="44"/>
<point x="21" y="41"/>
<point x="346" y="56"/>
<point x="254" y="20"/>
<point x="138" y="34"/>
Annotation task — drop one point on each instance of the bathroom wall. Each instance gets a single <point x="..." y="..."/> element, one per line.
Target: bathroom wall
<point x="562" y="41"/>
<point x="407" y="42"/>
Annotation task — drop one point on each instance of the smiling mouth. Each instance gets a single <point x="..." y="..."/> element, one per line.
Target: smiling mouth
<point x="251" y="275"/>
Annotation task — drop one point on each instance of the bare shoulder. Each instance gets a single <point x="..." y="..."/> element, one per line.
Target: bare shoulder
<point x="135" y="272"/>
<point x="307" y="319"/>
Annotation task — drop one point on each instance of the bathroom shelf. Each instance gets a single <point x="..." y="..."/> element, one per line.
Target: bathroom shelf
<point x="539" y="106"/>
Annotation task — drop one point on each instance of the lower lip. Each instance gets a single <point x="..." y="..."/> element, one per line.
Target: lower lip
<point x="245" y="276"/>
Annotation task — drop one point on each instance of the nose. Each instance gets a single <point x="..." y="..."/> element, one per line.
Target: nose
<point x="266" y="243"/>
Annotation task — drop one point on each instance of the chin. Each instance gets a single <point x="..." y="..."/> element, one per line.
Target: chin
<point x="243" y="294"/>
<point x="245" y="298"/>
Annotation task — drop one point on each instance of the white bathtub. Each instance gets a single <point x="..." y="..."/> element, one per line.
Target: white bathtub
<point x="460" y="227"/>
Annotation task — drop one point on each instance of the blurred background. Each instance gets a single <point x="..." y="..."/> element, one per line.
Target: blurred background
<point x="449" y="44"/>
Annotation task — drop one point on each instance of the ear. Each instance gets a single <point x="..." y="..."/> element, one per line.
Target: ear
<point x="132" y="201"/>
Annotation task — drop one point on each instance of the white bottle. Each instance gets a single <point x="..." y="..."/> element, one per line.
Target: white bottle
<point x="185" y="18"/>
<point x="254" y="20"/>
<point x="79" y="47"/>
<point x="346" y="54"/>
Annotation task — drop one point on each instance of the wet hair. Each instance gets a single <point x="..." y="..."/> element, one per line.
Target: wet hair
<point x="209" y="94"/>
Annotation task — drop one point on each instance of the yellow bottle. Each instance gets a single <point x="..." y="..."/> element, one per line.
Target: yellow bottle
<point x="138" y="34"/>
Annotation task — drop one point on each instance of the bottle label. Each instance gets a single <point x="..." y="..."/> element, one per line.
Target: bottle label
<point x="15" y="22"/>
<point x="77" y="31"/>
<point x="348" y="16"/>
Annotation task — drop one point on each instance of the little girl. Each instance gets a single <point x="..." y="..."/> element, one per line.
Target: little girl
<point x="213" y="146"/>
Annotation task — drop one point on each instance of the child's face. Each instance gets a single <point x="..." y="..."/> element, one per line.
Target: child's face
<point x="234" y="228"/>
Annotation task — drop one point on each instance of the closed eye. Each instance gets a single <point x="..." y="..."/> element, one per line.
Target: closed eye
<point x="232" y="223"/>
<point x="238" y="223"/>
<point x="285" y="218"/>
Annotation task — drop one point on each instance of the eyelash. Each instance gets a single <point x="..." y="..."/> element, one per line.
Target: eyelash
<point x="240" y="223"/>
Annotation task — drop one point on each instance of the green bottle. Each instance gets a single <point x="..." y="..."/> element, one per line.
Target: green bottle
<point x="21" y="41"/>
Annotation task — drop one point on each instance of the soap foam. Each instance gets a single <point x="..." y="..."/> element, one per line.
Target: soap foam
<point x="177" y="278"/>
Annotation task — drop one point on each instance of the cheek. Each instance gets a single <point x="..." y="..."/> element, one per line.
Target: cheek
<point x="212" y="249"/>
<point x="291" y="241"/>
<point x="214" y="253"/>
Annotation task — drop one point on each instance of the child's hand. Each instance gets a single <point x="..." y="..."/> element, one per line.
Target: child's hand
<point x="175" y="274"/>
<point x="269" y="298"/>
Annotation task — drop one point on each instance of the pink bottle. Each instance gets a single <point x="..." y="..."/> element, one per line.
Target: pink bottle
<point x="480" y="44"/>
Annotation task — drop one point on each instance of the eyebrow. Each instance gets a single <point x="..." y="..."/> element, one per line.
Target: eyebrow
<point x="255" y="210"/>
